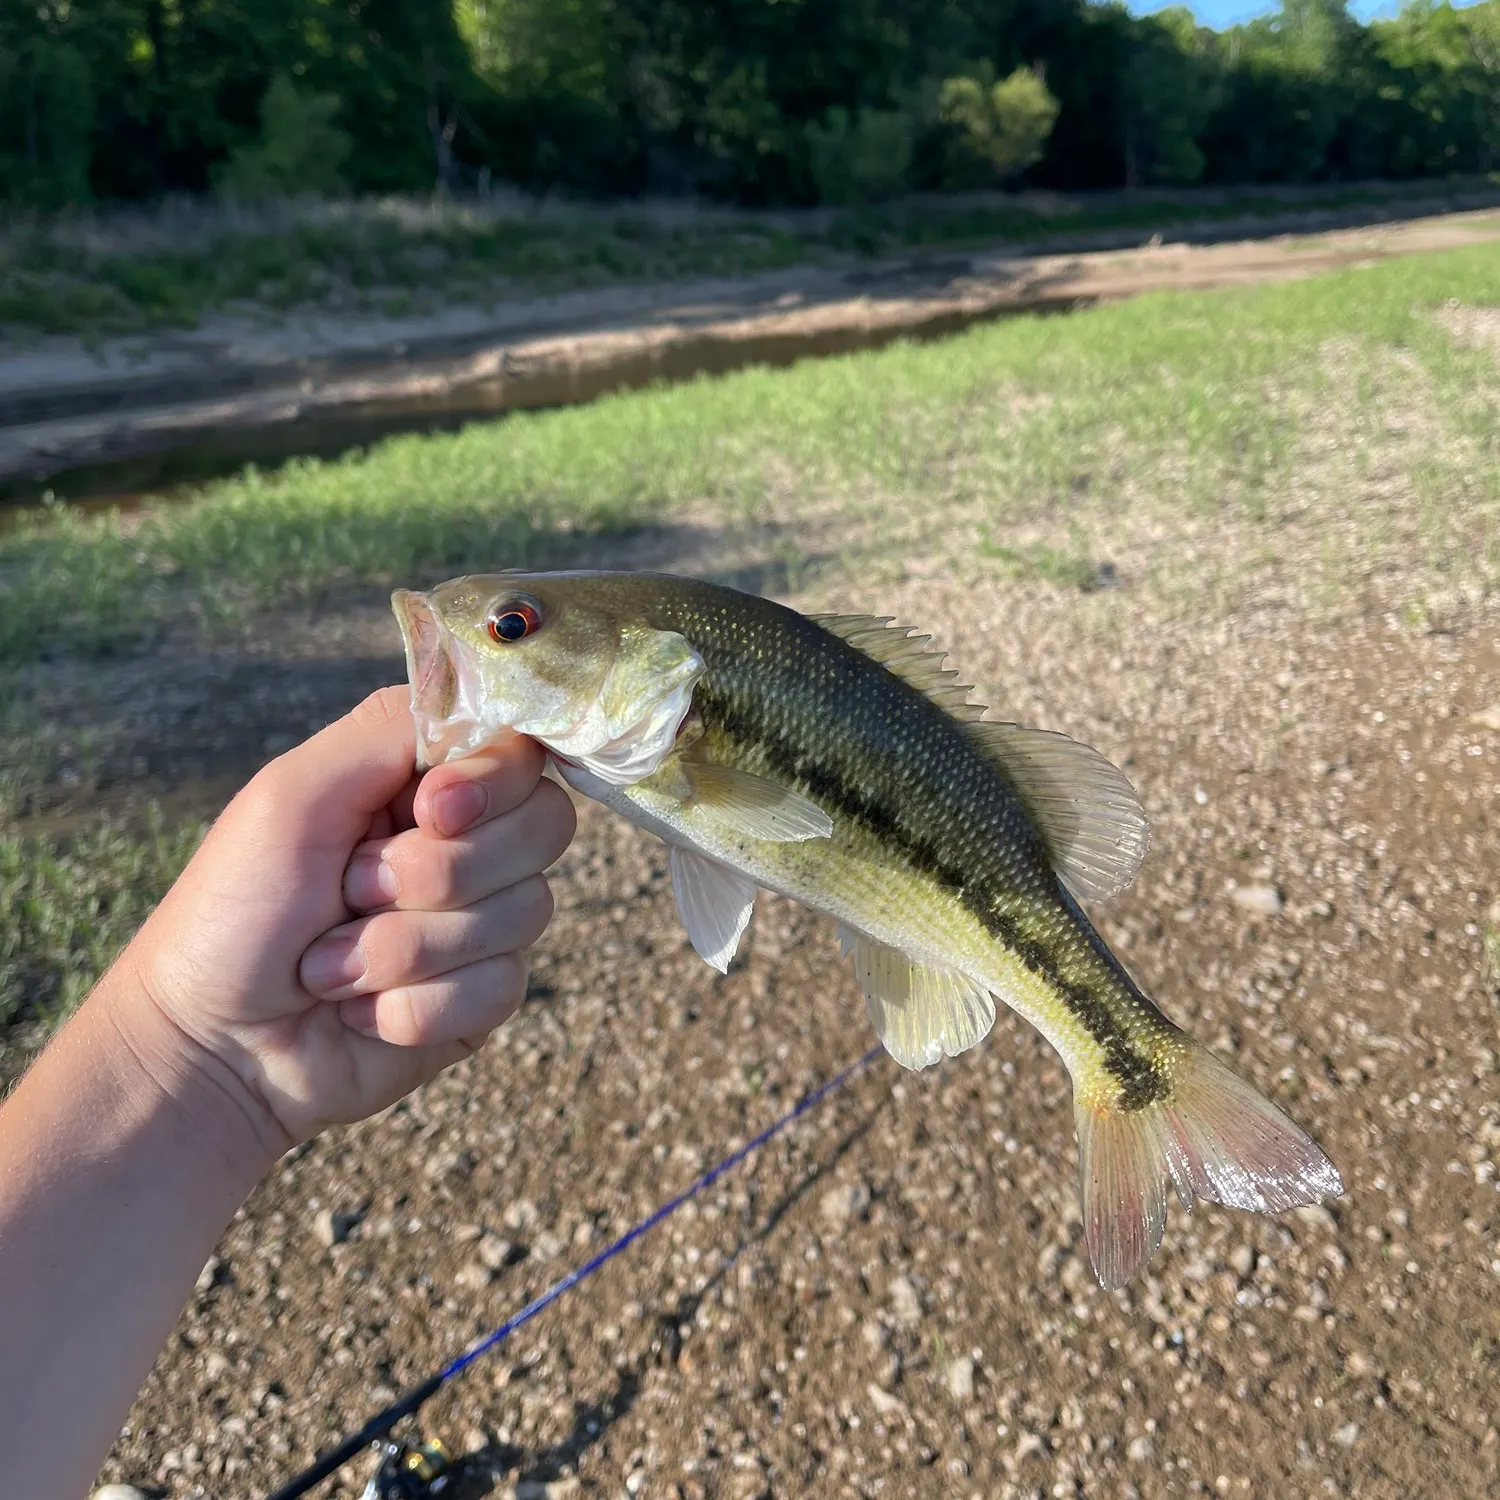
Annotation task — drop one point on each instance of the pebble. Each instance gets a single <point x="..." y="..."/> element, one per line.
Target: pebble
<point x="961" y="1378"/>
<point x="333" y="1228"/>
<point x="548" y="1489"/>
<point x="118" y="1492"/>
<point x="906" y="1305"/>
<point x="209" y="1276"/>
<point x="884" y="1403"/>
<point x="497" y="1253"/>
<point x="1347" y="1435"/>
<point x="840" y="1205"/>
<point x="1138" y="1450"/>
<point x="1316" y="1215"/>
<point x="1242" y="1260"/>
<point x="1262" y="899"/>
<point x="1487" y="718"/>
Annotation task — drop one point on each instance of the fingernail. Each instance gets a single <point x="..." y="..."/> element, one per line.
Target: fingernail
<point x="370" y="881"/>
<point x="457" y="806"/>
<point x="331" y="963"/>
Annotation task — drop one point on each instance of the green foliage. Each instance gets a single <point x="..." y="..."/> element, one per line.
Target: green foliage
<point x="1005" y="125"/>
<point x="859" y="158"/>
<point x="761" y="101"/>
<point x="299" y="150"/>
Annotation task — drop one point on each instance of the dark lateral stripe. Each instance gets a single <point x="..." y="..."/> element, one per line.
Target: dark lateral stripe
<point x="1140" y="1082"/>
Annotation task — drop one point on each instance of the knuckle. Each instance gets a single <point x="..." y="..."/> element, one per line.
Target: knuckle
<point x="383" y="705"/>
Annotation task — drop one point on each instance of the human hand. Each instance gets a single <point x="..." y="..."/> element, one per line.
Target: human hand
<point x="348" y="928"/>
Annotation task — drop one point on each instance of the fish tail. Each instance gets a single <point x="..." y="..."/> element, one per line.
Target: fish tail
<point x="1210" y="1135"/>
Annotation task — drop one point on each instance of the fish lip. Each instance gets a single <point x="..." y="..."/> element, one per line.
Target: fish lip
<point x="430" y="667"/>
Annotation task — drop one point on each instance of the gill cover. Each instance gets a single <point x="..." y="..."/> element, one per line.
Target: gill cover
<point x="613" y="710"/>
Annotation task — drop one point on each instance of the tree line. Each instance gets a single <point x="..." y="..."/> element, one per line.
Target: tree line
<point x="762" y="102"/>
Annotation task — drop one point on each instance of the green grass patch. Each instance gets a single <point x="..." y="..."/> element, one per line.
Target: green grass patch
<point x="68" y="907"/>
<point x="132" y="271"/>
<point x="1197" y="406"/>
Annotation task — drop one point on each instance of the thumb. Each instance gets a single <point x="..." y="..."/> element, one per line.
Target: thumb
<point x="329" y="787"/>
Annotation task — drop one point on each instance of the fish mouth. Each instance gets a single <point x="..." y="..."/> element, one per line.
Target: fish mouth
<point x="429" y="661"/>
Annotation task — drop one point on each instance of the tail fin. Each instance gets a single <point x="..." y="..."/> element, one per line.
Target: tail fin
<point x="1212" y="1137"/>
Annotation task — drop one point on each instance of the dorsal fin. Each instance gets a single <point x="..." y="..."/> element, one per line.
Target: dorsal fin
<point x="908" y="655"/>
<point x="1087" y="813"/>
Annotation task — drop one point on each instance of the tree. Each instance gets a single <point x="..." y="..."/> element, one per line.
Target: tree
<point x="1005" y="125"/>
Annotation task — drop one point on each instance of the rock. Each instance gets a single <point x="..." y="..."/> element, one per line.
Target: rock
<point x="906" y="1304"/>
<point x="1242" y="1260"/>
<point x="884" y="1403"/>
<point x="497" y="1253"/>
<point x="1138" y="1450"/>
<point x="840" y="1205"/>
<point x="451" y="1164"/>
<point x="1264" y="900"/>
<point x="1357" y="1364"/>
<point x="1316" y="1215"/>
<point x="876" y="1335"/>
<point x="475" y="1276"/>
<point x="211" y="1274"/>
<point x="548" y="1489"/>
<point x="961" y="1378"/>
<point x="546" y="1247"/>
<point x="1347" y="1435"/>
<point x="1486" y="718"/>
<point x="118" y="1492"/>
<point x="333" y="1228"/>
<point x="519" y="1215"/>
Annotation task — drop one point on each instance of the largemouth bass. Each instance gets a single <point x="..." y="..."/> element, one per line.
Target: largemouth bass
<point x="831" y="758"/>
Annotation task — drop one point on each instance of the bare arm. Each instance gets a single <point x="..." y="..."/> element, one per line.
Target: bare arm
<point x="346" y="931"/>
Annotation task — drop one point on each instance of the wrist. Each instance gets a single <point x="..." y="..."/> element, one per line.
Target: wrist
<point x="172" y="1071"/>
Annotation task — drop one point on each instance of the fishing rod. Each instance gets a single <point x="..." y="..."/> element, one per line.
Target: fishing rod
<point x="417" y="1471"/>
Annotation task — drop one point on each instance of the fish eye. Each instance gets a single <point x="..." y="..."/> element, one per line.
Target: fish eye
<point x="513" y="620"/>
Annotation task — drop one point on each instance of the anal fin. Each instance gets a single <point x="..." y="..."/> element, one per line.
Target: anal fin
<point x="714" y="903"/>
<point x="920" y="1013"/>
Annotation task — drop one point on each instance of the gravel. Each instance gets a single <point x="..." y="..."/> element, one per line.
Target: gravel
<point x="811" y="1313"/>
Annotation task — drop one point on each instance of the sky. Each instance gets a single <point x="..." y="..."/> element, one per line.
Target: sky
<point x="1221" y="13"/>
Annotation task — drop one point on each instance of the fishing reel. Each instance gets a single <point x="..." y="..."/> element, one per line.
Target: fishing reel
<point x="410" y="1471"/>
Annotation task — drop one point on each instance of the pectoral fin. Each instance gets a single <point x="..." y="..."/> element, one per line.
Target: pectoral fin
<point x="752" y="807"/>
<point x="921" y="1014"/>
<point x="714" y="903"/>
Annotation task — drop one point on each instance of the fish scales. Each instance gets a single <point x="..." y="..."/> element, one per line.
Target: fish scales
<point x="828" y="759"/>
<point x="782" y="695"/>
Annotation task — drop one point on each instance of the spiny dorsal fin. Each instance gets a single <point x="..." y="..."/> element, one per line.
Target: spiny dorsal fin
<point x="1087" y="813"/>
<point x="908" y="655"/>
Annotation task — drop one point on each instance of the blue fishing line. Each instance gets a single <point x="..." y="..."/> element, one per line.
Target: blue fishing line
<point x="380" y="1424"/>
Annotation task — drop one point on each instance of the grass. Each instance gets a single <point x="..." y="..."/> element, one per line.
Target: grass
<point x="1261" y="410"/>
<point x="67" y="909"/>
<point x="127" y="271"/>
<point x="1327" y="437"/>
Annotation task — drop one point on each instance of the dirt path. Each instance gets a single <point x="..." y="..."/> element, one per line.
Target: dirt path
<point x="894" y="1300"/>
<point x="139" y="413"/>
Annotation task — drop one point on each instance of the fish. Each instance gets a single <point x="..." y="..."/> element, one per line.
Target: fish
<point x="835" y="759"/>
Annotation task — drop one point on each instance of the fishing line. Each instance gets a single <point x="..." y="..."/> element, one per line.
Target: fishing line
<point x="382" y="1422"/>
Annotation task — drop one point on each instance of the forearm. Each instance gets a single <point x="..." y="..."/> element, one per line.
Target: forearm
<point x="124" y="1156"/>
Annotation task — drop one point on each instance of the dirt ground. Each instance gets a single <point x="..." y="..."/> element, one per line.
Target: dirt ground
<point x="116" y="416"/>
<point x="893" y="1299"/>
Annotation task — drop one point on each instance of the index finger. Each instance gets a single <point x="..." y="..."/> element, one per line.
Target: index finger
<point x="466" y="792"/>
